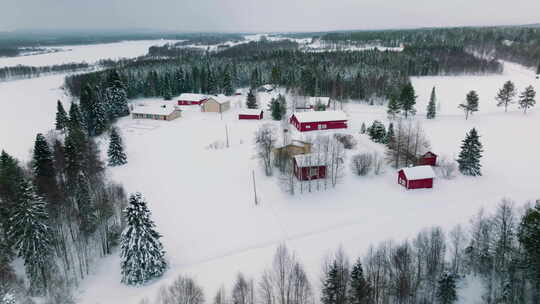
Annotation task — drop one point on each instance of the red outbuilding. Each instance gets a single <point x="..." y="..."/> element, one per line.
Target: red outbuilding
<point x="309" y="166"/>
<point x="416" y="177"/>
<point x="428" y="159"/>
<point x="253" y="114"/>
<point x="319" y="120"/>
<point x="189" y="99"/>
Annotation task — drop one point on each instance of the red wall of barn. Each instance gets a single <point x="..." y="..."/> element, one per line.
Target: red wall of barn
<point x="428" y="161"/>
<point x="245" y="116"/>
<point x="314" y="126"/>
<point x="421" y="183"/>
<point x="189" y="103"/>
<point x="302" y="173"/>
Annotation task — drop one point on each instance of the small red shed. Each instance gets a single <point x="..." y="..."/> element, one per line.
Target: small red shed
<point x="253" y="114"/>
<point x="309" y="166"/>
<point x="189" y="99"/>
<point x="319" y="120"/>
<point x="416" y="177"/>
<point x="428" y="159"/>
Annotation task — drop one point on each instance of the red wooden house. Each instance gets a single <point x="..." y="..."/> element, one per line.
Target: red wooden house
<point x="319" y="120"/>
<point x="416" y="177"/>
<point x="428" y="159"/>
<point x="188" y="99"/>
<point x="309" y="166"/>
<point x="253" y="114"/>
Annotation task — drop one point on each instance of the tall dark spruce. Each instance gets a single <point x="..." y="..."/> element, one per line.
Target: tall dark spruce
<point x="470" y="155"/>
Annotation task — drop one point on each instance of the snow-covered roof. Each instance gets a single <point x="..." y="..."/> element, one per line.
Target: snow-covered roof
<point x="310" y="160"/>
<point x="314" y="116"/>
<point x="192" y="97"/>
<point x="418" y="172"/>
<point x="220" y="99"/>
<point x="154" y="109"/>
<point x="316" y="99"/>
<point x="250" y="111"/>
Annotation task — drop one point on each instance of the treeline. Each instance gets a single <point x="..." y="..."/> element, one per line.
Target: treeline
<point x="518" y="44"/>
<point x="501" y="250"/>
<point x="23" y="71"/>
<point x="359" y="75"/>
<point x="59" y="212"/>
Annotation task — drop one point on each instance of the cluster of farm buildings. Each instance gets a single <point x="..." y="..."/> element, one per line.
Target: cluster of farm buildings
<point x="306" y="165"/>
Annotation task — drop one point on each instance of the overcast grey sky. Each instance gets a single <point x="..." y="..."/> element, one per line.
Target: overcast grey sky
<point x="257" y="15"/>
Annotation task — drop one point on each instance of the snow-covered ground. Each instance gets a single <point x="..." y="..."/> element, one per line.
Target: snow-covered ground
<point x="202" y="198"/>
<point x="85" y="53"/>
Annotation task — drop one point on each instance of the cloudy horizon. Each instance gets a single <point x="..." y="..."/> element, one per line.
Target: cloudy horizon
<point x="256" y="16"/>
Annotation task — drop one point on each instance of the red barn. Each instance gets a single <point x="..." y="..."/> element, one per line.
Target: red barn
<point x="188" y="99"/>
<point x="319" y="120"/>
<point x="309" y="166"/>
<point x="428" y="159"/>
<point x="416" y="177"/>
<point x="254" y="114"/>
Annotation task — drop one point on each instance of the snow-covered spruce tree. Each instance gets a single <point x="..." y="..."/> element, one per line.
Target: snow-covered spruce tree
<point x="471" y="104"/>
<point x="377" y="132"/>
<point x="116" y="154"/>
<point x="529" y="230"/>
<point x="506" y="95"/>
<point x="62" y="118"/>
<point x="446" y="289"/>
<point x="394" y="108"/>
<point x="470" y="155"/>
<point x="363" y="128"/>
<point x="432" y="105"/>
<point x="407" y="100"/>
<point x="277" y="108"/>
<point x="31" y="235"/>
<point x="116" y="95"/>
<point x="359" y="288"/>
<point x="43" y="168"/>
<point x="142" y="254"/>
<point x="390" y="135"/>
<point x="227" y="83"/>
<point x="251" y="102"/>
<point x="330" y="288"/>
<point x="526" y="99"/>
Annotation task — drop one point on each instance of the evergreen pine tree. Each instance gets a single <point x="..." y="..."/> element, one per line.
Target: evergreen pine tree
<point x="432" y="105"/>
<point x="377" y="132"/>
<point x="471" y="104"/>
<point x="446" y="289"/>
<point x="390" y="136"/>
<point x="330" y="288"/>
<point x="275" y="75"/>
<point x="227" y="85"/>
<point x="529" y="230"/>
<point x="43" y="168"/>
<point x="276" y="108"/>
<point x="526" y="99"/>
<point x="407" y="100"/>
<point x="471" y="152"/>
<point x="394" y="108"/>
<point x="363" y="128"/>
<point x="116" y="154"/>
<point x="360" y="289"/>
<point x="506" y="95"/>
<point x="75" y="118"/>
<point x="62" y="119"/>
<point x="142" y="254"/>
<point x="86" y="208"/>
<point x="538" y="70"/>
<point x="251" y="102"/>
<point x="116" y="96"/>
<point x="32" y="238"/>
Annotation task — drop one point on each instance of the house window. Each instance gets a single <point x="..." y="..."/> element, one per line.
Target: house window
<point x="314" y="171"/>
<point x="322" y="127"/>
<point x="308" y="127"/>
<point x="148" y="115"/>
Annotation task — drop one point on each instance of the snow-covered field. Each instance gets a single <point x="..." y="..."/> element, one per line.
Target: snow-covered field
<point x="202" y="198"/>
<point x="85" y="53"/>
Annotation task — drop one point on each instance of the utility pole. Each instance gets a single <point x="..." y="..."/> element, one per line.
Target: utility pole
<point x="227" y="134"/>
<point x="254" y="187"/>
